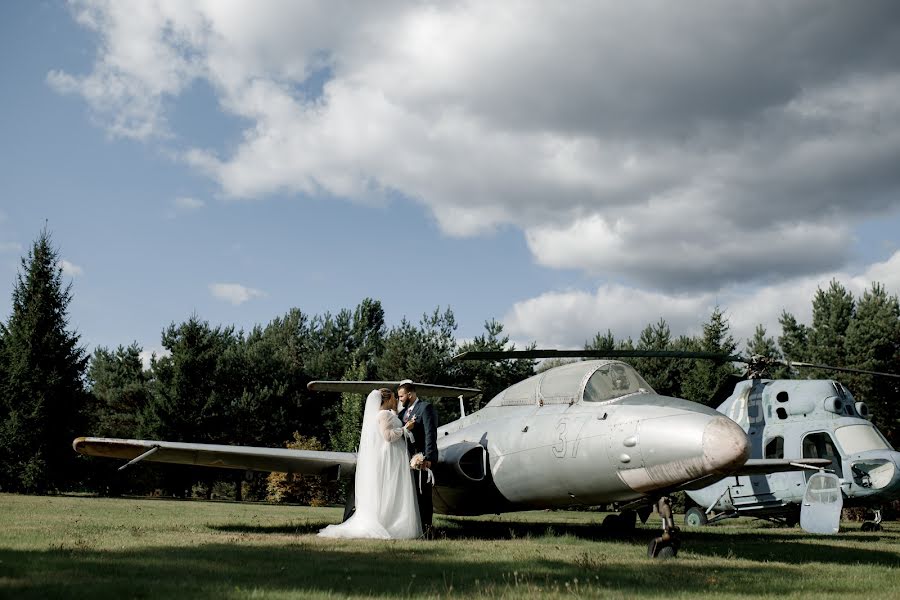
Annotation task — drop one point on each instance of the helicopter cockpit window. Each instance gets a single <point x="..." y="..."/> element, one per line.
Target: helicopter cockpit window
<point x="820" y="445"/>
<point x="775" y="448"/>
<point x="859" y="438"/>
<point x="613" y="381"/>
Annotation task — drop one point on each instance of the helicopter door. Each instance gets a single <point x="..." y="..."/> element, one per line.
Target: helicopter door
<point x="820" y="445"/>
<point x="822" y="504"/>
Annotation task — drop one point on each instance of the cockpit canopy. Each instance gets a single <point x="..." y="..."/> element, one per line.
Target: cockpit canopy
<point x="612" y="381"/>
<point x="591" y="381"/>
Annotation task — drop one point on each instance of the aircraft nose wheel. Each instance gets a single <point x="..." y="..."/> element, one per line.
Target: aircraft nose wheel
<point x="666" y="545"/>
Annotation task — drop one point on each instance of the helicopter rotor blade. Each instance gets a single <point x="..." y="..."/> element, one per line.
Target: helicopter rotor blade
<point x="804" y="365"/>
<point x="550" y="353"/>
<point x="755" y="362"/>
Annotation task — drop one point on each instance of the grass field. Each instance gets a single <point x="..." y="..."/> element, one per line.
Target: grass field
<point x="52" y="547"/>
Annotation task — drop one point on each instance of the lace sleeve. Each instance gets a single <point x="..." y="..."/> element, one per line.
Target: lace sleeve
<point x="385" y="421"/>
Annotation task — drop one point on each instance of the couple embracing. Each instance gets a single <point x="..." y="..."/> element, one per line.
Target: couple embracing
<point x="393" y="501"/>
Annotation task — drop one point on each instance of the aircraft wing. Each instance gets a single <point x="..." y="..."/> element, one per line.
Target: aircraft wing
<point x="430" y="390"/>
<point x="762" y="466"/>
<point x="284" y="460"/>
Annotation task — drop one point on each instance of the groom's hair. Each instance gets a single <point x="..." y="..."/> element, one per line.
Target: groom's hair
<point x="409" y="387"/>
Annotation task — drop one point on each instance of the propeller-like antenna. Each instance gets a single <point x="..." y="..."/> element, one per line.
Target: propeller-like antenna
<point x="757" y="365"/>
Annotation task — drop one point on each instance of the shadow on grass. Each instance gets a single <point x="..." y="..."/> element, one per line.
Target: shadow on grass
<point x="793" y="546"/>
<point x="305" y="568"/>
<point x="297" y="529"/>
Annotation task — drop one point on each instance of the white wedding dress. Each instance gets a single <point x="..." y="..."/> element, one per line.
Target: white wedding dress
<point x="386" y="505"/>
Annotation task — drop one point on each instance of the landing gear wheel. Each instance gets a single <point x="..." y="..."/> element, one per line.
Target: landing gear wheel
<point x="875" y="524"/>
<point x="666" y="545"/>
<point x="662" y="549"/>
<point x="695" y="517"/>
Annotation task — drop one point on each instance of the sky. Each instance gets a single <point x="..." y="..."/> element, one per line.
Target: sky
<point x="565" y="168"/>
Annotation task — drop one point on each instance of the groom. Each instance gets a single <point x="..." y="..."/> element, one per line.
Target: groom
<point x="425" y="433"/>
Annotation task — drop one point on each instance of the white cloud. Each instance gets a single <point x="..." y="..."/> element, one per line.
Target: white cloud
<point x="70" y="269"/>
<point x="567" y="319"/>
<point x="10" y="248"/>
<point x="148" y="355"/>
<point x="753" y="137"/>
<point x="234" y="293"/>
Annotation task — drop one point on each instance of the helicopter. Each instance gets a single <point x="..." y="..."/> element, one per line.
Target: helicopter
<point x="585" y="433"/>
<point x="794" y="419"/>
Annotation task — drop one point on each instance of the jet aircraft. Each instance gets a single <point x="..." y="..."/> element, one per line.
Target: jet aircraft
<point x="585" y="433"/>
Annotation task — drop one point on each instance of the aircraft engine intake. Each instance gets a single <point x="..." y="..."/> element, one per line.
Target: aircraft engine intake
<point x="461" y="464"/>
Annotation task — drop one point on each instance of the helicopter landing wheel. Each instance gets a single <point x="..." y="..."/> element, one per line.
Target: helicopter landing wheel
<point x="875" y="524"/>
<point x="695" y="517"/>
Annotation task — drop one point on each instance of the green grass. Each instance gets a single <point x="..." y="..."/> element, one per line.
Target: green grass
<point x="98" y="548"/>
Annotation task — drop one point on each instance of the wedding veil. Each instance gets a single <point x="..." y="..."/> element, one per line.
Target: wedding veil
<point x="368" y="457"/>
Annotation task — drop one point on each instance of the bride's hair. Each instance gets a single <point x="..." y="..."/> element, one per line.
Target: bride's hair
<point x="385" y="395"/>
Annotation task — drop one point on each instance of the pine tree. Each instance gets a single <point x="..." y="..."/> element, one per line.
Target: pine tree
<point x="833" y="310"/>
<point x="873" y="343"/>
<point x="348" y="421"/>
<point x="367" y="336"/>
<point x="707" y="381"/>
<point x="41" y="391"/>
<point x="491" y="377"/>
<point x="793" y="342"/>
<point x="602" y="341"/>
<point x="660" y="373"/>
<point x="194" y="393"/>
<point x="119" y="392"/>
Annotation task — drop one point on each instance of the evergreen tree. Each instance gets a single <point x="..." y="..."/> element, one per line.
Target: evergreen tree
<point x="605" y="341"/>
<point x="661" y="373"/>
<point x="367" y="336"/>
<point x="491" y="377"/>
<point x="793" y="342"/>
<point x="422" y="353"/>
<point x="42" y="390"/>
<point x="331" y="345"/>
<point x="873" y="343"/>
<point x="707" y="381"/>
<point x="832" y="312"/>
<point x="194" y="392"/>
<point x="349" y="417"/>
<point x="119" y="392"/>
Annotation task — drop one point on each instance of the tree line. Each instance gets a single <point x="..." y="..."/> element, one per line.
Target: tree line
<point x="217" y="384"/>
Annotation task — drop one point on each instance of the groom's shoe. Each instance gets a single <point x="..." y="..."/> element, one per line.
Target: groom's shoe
<point x="428" y="532"/>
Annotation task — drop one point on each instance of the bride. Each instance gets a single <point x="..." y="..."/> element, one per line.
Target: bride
<point x="386" y="505"/>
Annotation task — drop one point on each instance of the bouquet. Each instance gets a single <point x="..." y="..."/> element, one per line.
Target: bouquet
<point x="417" y="462"/>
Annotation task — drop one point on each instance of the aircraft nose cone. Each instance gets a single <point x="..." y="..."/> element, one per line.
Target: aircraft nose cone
<point x="725" y="446"/>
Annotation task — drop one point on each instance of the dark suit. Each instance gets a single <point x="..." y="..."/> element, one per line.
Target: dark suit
<point x="425" y="433"/>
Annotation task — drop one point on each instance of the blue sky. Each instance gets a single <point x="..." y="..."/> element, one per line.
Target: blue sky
<point x="448" y="155"/>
